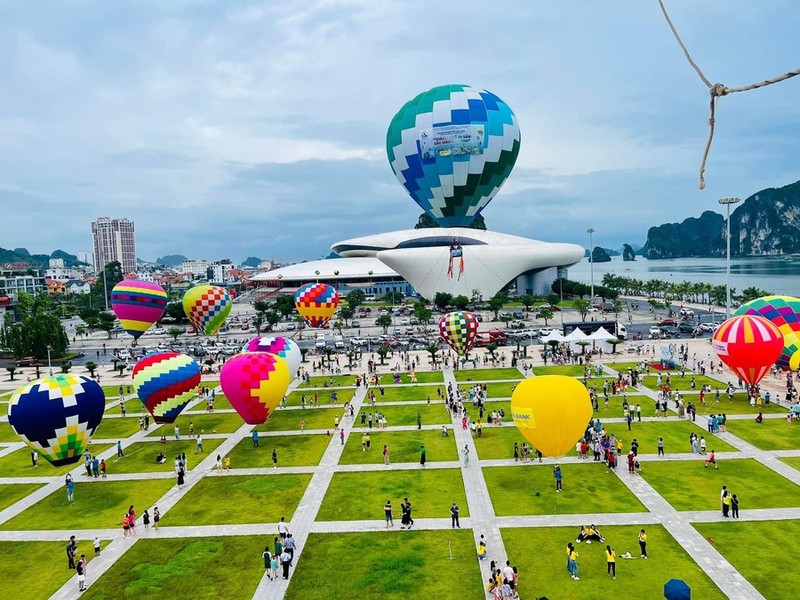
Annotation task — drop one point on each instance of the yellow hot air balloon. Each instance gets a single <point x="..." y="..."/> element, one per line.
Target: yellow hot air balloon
<point x="552" y="412"/>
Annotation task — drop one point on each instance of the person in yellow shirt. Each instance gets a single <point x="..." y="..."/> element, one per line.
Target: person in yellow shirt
<point x="482" y="551"/>
<point x="611" y="562"/>
<point x="573" y="564"/>
<point x="643" y="544"/>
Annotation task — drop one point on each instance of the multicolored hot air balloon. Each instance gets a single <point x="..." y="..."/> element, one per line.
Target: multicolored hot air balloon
<point x="459" y="329"/>
<point x="138" y="304"/>
<point x="281" y="346"/>
<point x="254" y="383"/>
<point x="57" y="416"/>
<point x="207" y="307"/>
<point x="452" y="148"/>
<point x="552" y="412"/>
<point x="165" y="383"/>
<point x="784" y="312"/>
<point x="316" y="303"/>
<point x="749" y="345"/>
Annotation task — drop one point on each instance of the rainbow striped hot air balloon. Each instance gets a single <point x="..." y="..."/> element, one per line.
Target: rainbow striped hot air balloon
<point x="749" y="345"/>
<point x="784" y="312"/>
<point x="57" y="416"/>
<point x="138" y="304"/>
<point x="165" y="383"/>
<point x="207" y="307"/>
<point x="316" y="303"/>
<point x="459" y="329"/>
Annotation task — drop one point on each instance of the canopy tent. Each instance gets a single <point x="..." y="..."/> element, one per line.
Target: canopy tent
<point x="601" y="335"/>
<point x="576" y="335"/>
<point x="553" y="336"/>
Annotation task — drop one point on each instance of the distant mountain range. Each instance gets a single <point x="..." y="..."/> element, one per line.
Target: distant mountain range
<point x="38" y="261"/>
<point x="170" y="260"/>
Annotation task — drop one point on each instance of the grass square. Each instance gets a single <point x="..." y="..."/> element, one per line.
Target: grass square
<point x="687" y="485"/>
<point x="540" y="555"/>
<point x="739" y="541"/>
<point x="498" y="442"/>
<point x="226" y="499"/>
<point x="11" y="493"/>
<point x="792" y="462"/>
<point x="408" y="393"/>
<point x="216" y="422"/>
<point x="323" y="381"/>
<point x="568" y="370"/>
<point x="486" y="374"/>
<point x="314" y="418"/>
<point x="358" y="496"/>
<point x="200" y="568"/>
<point x="588" y="488"/>
<point x="98" y="504"/>
<point x="771" y="434"/>
<point x="396" y="415"/>
<point x="18" y="463"/>
<point x="390" y="568"/>
<point x="140" y="457"/>
<point x="7" y="434"/>
<point x="496" y="389"/>
<point x="293" y="451"/>
<point x="403" y="446"/>
<point x="675" y="434"/>
<point x="683" y="384"/>
<point x="117" y="428"/>
<point x="405" y="377"/>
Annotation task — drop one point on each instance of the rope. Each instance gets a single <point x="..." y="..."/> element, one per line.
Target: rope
<point x="717" y="90"/>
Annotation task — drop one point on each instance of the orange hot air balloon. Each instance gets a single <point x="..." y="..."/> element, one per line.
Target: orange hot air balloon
<point x="552" y="412"/>
<point x="749" y="345"/>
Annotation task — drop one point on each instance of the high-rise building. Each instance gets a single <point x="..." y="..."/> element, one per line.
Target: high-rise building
<point x="114" y="240"/>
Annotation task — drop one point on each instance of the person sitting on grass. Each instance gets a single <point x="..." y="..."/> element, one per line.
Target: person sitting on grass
<point x="759" y="418"/>
<point x="589" y="534"/>
<point x="712" y="460"/>
<point x="161" y="458"/>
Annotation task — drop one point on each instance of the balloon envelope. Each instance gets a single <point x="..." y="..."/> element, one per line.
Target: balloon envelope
<point x="783" y="311"/>
<point x="207" y="307"/>
<point x="165" y="383"/>
<point x="58" y="415"/>
<point x="281" y="346"/>
<point x="749" y="345"/>
<point x="552" y="412"/>
<point x="138" y="304"/>
<point x="459" y="329"/>
<point x="452" y="148"/>
<point x="316" y="303"/>
<point x="254" y="383"/>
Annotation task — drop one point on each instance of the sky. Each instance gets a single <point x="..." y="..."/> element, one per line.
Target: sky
<point x="234" y="129"/>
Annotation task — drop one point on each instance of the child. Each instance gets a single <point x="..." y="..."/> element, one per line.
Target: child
<point x="711" y="459"/>
<point x="274" y="567"/>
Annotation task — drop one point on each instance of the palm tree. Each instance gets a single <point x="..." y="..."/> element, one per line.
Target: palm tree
<point x="382" y="351"/>
<point x="91" y="367"/>
<point x="433" y="350"/>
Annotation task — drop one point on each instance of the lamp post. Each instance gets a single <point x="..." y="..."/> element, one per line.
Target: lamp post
<point x="49" y="365"/>
<point x="590" y="231"/>
<point x="727" y="202"/>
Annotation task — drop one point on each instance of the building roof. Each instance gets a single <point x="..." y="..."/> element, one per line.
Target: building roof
<point x="329" y="269"/>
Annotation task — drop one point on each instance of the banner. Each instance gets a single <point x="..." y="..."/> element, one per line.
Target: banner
<point x="451" y="140"/>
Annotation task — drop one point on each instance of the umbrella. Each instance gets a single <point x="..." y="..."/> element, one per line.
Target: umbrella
<point x="676" y="589"/>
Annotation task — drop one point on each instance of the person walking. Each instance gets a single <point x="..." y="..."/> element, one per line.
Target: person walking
<point x="72" y="549"/>
<point x="661" y="446"/>
<point x="465" y="452"/>
<point x="454" y="516"/>
<point x="423" y="455"/>
<point x="611" y="562"/>
<point x="267" y="556"/>
<point x="255" y="445"/>
<point x="81" y="570"/>
<point x="572" y="564"/>
<point x="386" y="454"/>
<point x="70" y="489"/>
<point x="120" y="453"/>
<point x="516" y="451"/>
<point x="198" y="446"/>
<point x="146" y="519"/>
<point x="734" y="507"/>
<point x="643" y="544"/>
<point x="156" y="518"/>
<point x="286" y="562"/>
<point x="341" y="435"/>
<point x="558" y="476"/>
<point x="387" y="512"/>
<point x="275" y="458"/>
<point x="96" y="545"/>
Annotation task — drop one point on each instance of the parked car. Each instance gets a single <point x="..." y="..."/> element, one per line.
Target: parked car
<point x="668" y="323"/>
<point x="655" y="332"/>
<point x="290" y="327"/>
<point x="708" y="326"/>
<point x="27" y="361"/>
<point x="355" y="324"/>
<point x="670" y="331"/>
<point x="413" y="321"/>
<point x="479" y="317"/>
<point x="686" y="326"/>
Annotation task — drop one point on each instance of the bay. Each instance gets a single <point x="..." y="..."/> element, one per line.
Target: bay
<point x="775" y="274"/>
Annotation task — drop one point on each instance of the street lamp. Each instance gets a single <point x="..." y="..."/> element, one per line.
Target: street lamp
<point x="49" y="366"/>
<point x="727" y="202"/>
<point x="590" y="231"/>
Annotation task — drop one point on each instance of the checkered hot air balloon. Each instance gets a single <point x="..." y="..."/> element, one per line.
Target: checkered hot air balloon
<point x="749" y="345"/>
<point x="207" y="307"/>
<point x="281" y="346"/>
<point x="57" y="416"/>
<point x="459" y="329"/>
<point x="165" y="383"/>
<point x="784" y="312"/>
<point x="316" y="303"/>
<point x="452" y="148"/>
<point x="138" y="304"/>
<point x="254" y="383"/>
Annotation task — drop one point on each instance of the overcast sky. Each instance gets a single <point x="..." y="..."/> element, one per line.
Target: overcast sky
<point x="228" y="129"/>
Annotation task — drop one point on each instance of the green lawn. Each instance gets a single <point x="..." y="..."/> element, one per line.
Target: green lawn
<point x="792" y="462"/>
<point x="496" y="389"/>
<point x="315" y="418"/>
<point x="225" y="499"/>
<point x="683" y="384"/>
<point x="200" y="568"/>
<point x="293" y="451"/>
<point x="7" y="434"/>
<point x="331" y="381"/>
<point x="433" y="414"/>
<point x="772" y="434"/>
<point x="738" y="540"/>
<point x="675" y="434"/>
<point x="487" y="374"/>
<point x="18" y="463"/>
<point x="568" y="370"/>
<point x="388" y="569"/>
<point x="50" y="562"/>
<point x="98" y="504"/>
<point x="408" y="393"/>
<point x="614" y="409"/>
<point x="739" y="406"/>
<point x="205" y="423"/>
<point x="140" y="457"/>
<point x="588" y="488"/>
<point x="14" y="492"/>
<point x="115" y="429"/>
<point x="689" y="486"/>
<point x="498" y="442"/>
<point x="539" y="554"/>
<point x="403" y="446"/>
<point x="422" y="377"/>
<point x="357" y="496"/>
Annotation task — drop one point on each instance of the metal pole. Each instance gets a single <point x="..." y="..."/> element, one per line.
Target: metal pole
<point x="49" y="365"/>
<point x="105" y="285"/>
<point x="727" y="202"/>
<point x="590" y="231"/>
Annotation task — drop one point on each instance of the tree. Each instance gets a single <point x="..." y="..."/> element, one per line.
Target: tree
<point x="497" y="302"/>
<point x="303" y="352"/>
<point x="301" y="324"/>
<point x="582" y="306"/>
<point x="546" y="314"/>
<point x="66" y="366"/>
<point x="433" y="350"/>
<point x="174" y="332"/>
<point x="338" y="326"/>
<point x="616" y="307"/>
<point x="38" y="327"/>
<point x="506" y="318"/>
<point x="80" y="331"/>
<point x="258" y="321"/>
<point x="11" y="370"/>
<point x="491" y="349"/>
<point x="460" y="302"/>
<point x="328" y="352"/>
<point x="614" y="342"/>
<point x="423" y="313"/>
<point x="553" y="299"/>
<point x="442" y="300"/>
<point x="393" y="297"/>
<point x="272" y="317"/>
<point x="346" y="313"/>
<point x="106" y="322"/>
<point x="751" y="293"/>
<point x="384" y="321"/>
<point x="260" y="306"/>
<point x="112" y="275"/>
<point x="284" y="304"/>
<point x="355" y="298"/>
<point x="382" y="351"/>
<point x="174" y="311"/>
<point x="527" y="301"/>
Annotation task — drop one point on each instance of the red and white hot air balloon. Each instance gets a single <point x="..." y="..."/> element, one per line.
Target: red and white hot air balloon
<point x="749" y="345"/>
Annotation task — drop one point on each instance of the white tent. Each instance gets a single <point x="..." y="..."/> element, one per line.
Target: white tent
<point x="602" y="334"/>
<point x="576" y="335"/>
<point x="553" y="336"/>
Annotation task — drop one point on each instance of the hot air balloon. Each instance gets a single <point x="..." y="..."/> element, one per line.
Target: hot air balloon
<point x="57" y="416"/>
<point x="254" y="383"/>
<point x="452" y="148"/>
<point x="207" y="307"/>
<point x="316" y="303"/>
<point x="165" y="383"/>
<point x="459" y="329"/>
<point x="552" y="412"/>
<point x="138" y="304"/>
<point x="783" y="311"/>
<point x="281" y="346"/>
<point x="749" y="345"/>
